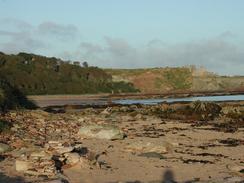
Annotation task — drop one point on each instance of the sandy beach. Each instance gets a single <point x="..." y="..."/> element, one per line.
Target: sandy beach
<point x="134" y="143"/>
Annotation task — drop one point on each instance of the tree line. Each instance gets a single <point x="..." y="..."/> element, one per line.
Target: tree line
<point x="35" y="74"/>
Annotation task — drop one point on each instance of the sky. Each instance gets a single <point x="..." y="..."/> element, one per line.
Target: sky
<point x="128" y="33"/>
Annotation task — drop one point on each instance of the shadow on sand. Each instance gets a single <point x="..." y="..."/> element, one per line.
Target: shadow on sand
<point x="167" y="177"/>
<point x="7" y="179"/>
<point x="12" y="98"/>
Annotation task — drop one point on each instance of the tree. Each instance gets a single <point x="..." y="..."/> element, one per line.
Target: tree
<point x="85" y="64"/>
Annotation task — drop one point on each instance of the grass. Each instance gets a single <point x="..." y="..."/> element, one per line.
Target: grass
<point x="4" y="126"/>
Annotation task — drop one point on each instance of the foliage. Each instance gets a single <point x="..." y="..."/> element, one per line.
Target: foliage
<point x="12" y="98"/>
<point x="85" y="64"/>
<point x="35" y="74"/>
<point x="4" y="125"/>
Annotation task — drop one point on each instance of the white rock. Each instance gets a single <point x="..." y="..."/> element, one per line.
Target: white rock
<point x="22" y="166"/>
<point x="106" y="111"/>
<point x="63" y="150"/>
<point x="38" y="154"/>
<point x="81" y="120"/>
<point x="72" y="158"/>
<point x="144" y="147"/>
<point x="101" y="132"/>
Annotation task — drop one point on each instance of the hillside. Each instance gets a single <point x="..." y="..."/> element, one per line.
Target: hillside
<point x="35" y="74"/>
<point x="182" y="79"/>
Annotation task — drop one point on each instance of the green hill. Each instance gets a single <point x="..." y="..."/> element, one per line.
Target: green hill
<point x="35" y="74"/>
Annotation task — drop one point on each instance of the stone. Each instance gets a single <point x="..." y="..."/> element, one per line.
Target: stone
<point x="106" y="111"/>
<point x="56" y="181"/>
<point x="152" y="155"/>
<point x="234" y="180"/>
<point x="4" y="148"/>
<point x="40" y="154"/>
<point x="236" y="168"/>
<point x="81" y="120"/>
<point x="232" y="110"/>
<point x="108" y="132"/>
<point x="146" y="147"/>
<point x="22" y="166"/>
<point x="32" y="172"/>
<point x="84" y="162"/>
<point x="63" y="150"/>
<point x="72" y="158"/>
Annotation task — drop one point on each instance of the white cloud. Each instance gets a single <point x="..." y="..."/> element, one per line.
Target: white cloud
<point x="18" y="36"/>
<point x="59" y="31"/>
<point x="221" y="54"/>
<point x="218" y="54"/>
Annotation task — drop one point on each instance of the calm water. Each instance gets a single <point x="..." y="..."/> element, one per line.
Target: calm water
<point x="188" y="99"/>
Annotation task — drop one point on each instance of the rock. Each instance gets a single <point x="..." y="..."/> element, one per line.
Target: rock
<point x="205" y="110"/>
<point x="40" y="154"/>
<point x="101" y="132"/>
<point x="148" y="147"/>
<point x="152" y="155"/>
<point x="81" y="120"/>
<point x="106" y="111"/>
<point x="63" y="150"/>
<point x="234" y="180"/>
<point x="176" y="107"/>
<point x="125" y="109"/>
<point x="4" y="148"/>
<point x="22" y="166"/>
<point x="232" y="110"/>
<point x="165" y="107"/>
<point x="84" y="162"/>
<point x="127" y="118"/>
<point x="236" y="168"/>
<point x="140" y="117"/>
<point x="72" y="158"/>
<point x="56" y="181"/>
<point x="53" y="144"/>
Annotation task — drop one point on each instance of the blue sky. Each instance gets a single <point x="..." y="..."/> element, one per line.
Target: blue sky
<point x="128" y="33"/>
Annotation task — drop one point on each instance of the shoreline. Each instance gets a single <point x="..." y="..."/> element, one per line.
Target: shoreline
<point x="106" y="99"/>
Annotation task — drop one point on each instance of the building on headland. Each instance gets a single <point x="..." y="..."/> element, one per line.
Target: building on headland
<point x="200" y="71"/>
<point x="76" y="63"/>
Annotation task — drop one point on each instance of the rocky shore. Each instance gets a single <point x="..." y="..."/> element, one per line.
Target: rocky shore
<point x="180" y="142"/>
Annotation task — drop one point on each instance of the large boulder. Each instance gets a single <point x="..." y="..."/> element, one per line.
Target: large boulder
<point x="108" y="132"/>
<point x="149" y="147"/>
